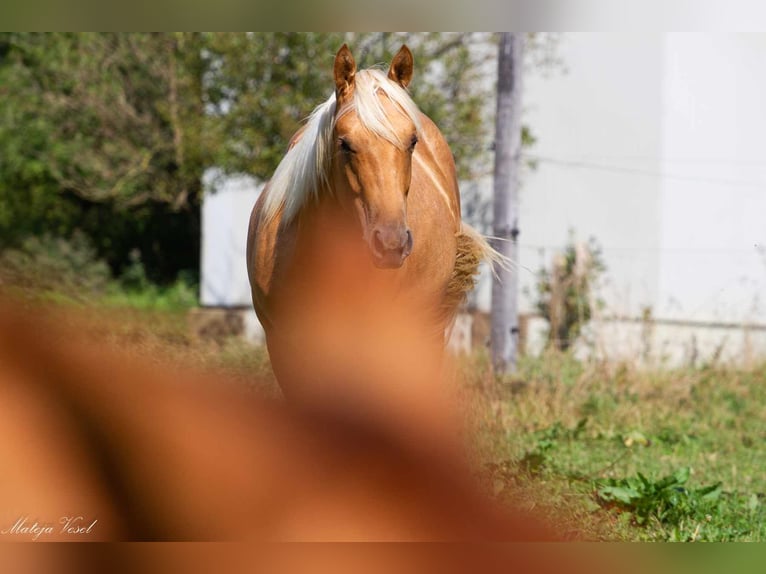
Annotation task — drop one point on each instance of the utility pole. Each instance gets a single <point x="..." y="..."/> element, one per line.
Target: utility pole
<point x="505" y="323"/>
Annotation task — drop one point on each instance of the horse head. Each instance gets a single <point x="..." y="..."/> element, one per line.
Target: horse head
<point x="374" y="139"/>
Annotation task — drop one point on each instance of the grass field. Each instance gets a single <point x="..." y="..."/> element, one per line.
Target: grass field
<point x="622" y="454"/>
<point x="612" y="452"/>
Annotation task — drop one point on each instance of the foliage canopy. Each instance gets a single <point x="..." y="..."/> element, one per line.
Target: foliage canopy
<point x="110" y="133"/>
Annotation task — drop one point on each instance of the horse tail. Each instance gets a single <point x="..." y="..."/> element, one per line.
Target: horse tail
<point x="472" y="250"/>
<point x="481" y="246"/>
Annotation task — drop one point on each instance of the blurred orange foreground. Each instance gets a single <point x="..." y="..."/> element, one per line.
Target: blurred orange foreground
<point x="96" y="445"/>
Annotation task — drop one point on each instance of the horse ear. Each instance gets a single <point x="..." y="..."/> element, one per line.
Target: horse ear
<point x="401" y="67"/>
<point x="345" y="70"/>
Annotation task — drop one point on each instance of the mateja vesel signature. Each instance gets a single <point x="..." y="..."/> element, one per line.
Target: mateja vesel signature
<point x="66" y="525"/>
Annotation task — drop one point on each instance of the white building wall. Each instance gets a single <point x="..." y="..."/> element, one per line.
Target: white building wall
<point x="656" y="146"/>
<point x="226" y="209"/>
<point x="598" y="129"/>
<point x="713" y="263"/>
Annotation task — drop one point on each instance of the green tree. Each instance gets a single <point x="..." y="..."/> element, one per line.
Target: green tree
<point x="118" y="113"/>
<point x="111" y="133"/>
<point x="100" y="132"/>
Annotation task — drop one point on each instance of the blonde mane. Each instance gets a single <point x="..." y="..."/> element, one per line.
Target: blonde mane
<point x="304" y="170"/>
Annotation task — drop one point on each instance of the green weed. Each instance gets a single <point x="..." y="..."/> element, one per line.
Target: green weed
<point x="667" y="500"/>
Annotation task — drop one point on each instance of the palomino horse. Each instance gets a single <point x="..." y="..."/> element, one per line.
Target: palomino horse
<point x="368" y="186"/>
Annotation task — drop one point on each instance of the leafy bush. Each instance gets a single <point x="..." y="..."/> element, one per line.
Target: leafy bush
<point x="133" y="289"/>
<point x="133" y="277"/>
<point x="70" y="268"/>
<point x="65" y="265"/>
<point x="564" y="293"/>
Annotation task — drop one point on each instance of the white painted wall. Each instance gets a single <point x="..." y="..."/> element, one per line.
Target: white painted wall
<point x="656" y="146"/>
<point x="713" y="203"/>
<point x="598" y="127"/>
<point x="226" y="209"/>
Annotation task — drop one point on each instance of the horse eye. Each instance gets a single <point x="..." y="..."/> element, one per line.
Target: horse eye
<point x="413" y="141"/>
<point x="345" y="146"/>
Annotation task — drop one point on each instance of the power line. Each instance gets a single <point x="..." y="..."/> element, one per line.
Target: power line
<point x="643" y="172"/>
<point x="707" y="250"/>
<point x="596" y="158"/>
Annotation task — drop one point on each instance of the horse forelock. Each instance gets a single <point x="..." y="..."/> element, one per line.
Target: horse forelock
<point x="304" y="170"/>
<point x="369" y="108"/>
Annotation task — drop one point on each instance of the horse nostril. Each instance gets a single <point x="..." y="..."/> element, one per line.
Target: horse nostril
<point x="391" y="245"/>
<point x="378" y="248"/>
<point x="407" y="244"/>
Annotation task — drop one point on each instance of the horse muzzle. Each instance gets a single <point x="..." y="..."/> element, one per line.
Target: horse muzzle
<point x="390" y="246"/>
